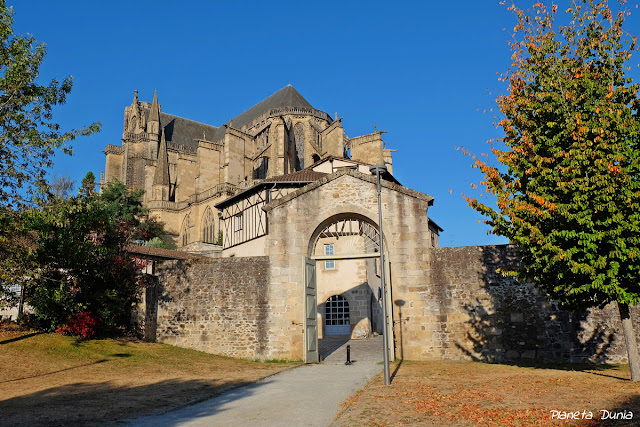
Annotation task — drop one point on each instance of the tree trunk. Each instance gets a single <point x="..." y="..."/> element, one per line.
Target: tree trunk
<point x="630" y="339"/>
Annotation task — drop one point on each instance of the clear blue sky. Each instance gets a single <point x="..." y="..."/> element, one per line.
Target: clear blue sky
<point x="423" y="71"/>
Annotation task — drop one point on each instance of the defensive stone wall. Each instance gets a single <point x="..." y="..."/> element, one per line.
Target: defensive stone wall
<point x="213" y="305"/>
<point x="458" y="307"/>
<point x="470" y="311"/>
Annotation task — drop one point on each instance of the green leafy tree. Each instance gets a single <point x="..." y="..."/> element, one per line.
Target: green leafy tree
<point x="126" y="205"/>
<point x="28" y="135"/>
<point x="83" y="270"/>
<point x="568" y="187"/>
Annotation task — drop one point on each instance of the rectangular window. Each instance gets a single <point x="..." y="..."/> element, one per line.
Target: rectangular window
<point x="329" y="250"/>
<point x="237" y="222"/>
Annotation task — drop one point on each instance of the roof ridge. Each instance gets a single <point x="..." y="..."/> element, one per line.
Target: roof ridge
<point x="287" y="96"/>
<point x="335" y="175"/>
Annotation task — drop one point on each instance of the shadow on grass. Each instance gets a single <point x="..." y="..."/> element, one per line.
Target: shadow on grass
<point x="395" y="371"/>
<point x="20" y="338"/>
<point x="587" y="368"/>
<point x="625" y="413"/>
<point x="107" y="402"/>
<point x="58" y="371"/>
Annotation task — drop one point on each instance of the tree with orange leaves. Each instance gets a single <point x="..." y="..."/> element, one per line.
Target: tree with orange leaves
<point x="568" y="188"/>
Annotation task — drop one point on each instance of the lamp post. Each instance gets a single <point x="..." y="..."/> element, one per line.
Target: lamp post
<point x="377" y="170"/>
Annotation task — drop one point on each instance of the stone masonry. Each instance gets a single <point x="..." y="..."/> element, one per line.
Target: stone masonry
<point x="462" y="310"/>
<point x="214" y="305"/>
<point x="295" y="218"/>
<point x="472" y="312"/>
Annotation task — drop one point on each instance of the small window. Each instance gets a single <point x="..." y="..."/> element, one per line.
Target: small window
<point x="329" y="250"/>
<point x="237" y="222"/>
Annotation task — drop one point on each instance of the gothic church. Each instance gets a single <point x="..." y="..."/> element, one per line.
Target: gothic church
<point x="186" y="167"/>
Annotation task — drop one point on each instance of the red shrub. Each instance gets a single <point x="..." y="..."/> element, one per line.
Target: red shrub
<point x="83" y="324"/>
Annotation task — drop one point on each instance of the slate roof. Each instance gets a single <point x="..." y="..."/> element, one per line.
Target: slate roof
<point x="285" y="97"/>
<point x="432" y="222"/>
<point x="183" y="131"/>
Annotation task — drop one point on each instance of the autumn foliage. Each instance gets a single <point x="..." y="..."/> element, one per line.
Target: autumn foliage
<point x="568" y="190"/>
<point x="84" y="324"/>
<point x="568" y="180"/>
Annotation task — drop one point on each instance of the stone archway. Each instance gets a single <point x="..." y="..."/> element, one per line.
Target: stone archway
<point x="352" y="227"/>
<point x="343" y="259"/>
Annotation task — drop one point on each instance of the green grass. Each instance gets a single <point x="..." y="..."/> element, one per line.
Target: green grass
<point x="105" y="380"/>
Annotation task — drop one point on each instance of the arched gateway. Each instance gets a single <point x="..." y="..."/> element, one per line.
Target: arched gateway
<point x="342" y="267"/>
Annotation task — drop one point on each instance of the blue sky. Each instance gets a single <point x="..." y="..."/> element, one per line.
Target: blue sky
<point x="423" y="71"/>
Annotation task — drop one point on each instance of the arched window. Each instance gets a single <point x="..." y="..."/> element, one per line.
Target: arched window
<point x="185" y="231"/>
<point x="336" y="321"/>
<point x="208" y="227"/>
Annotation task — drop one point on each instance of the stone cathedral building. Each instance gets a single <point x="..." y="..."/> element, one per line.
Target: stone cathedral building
<point x="275" y="215"/>
<point x="186" y="167"/>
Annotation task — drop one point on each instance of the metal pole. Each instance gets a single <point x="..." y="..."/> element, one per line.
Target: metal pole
<point x="377" y="169"/>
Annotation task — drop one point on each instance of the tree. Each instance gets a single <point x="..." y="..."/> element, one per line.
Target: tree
<point x="28" y="135"/>
<point x="568" y="187"/>
<point x="61" y="186"/>
<point x="83" y="276"/>
<point x="28" y="139"/>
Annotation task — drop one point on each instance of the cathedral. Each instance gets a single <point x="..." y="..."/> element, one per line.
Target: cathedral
<point x="187" y="168"/>
<point x="275" y="215"/>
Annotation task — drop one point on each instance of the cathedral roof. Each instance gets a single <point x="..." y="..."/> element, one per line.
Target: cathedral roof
<point x="185" y="132"/>
<point x="285" y="97"/>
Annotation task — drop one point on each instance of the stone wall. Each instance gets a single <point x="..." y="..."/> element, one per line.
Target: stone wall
<point x="471" y="312"/>
<point x="213" y="305"/>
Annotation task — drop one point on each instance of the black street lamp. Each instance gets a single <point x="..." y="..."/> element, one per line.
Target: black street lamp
<point x="377" y="170"/>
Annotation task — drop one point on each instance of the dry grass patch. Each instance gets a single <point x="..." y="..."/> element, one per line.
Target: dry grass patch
<point x="471" y="393"/>
<point x="48" y="379"/>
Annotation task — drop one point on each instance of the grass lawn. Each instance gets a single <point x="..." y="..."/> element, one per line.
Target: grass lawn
<point x="48" y="379"/>
<point x="472" y="393"/>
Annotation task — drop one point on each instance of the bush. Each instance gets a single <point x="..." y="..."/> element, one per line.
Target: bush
<point x="84" y="324"/>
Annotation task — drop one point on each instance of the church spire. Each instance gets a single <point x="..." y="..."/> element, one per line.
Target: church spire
<point x="154" y="115"/>
<point x="161" y="176"/>
<point x="153" y="122"/>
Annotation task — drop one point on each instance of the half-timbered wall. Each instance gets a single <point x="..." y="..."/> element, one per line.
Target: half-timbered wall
<point x="244" y="220"/>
